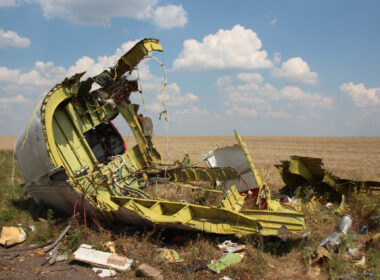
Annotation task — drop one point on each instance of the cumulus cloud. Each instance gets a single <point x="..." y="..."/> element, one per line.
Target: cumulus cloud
<point x="18" y="99"/>
<point x="173" y="98"/>
<point x="170" y="16"/>
<point x="93" y="12"/>
<point x="10" y="3"/>
<point x="223" y="81"/>
<point x="254" y="78"/>
<point x="12" y="39"/>
<point x="361" y="96"/>
<point x="238" y="48"/>
<point x="241" y="111"/>
<point x="40" y="78"/>
<point x="250" y="98"/>
<point x="296" y="70"/>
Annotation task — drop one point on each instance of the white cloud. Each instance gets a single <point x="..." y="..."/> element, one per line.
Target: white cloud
<point x="360" y="95"/>
<point x="223" y="81"/>
<point x="93" y="12"/>
<point x="39" y="79"/>
<point x="94" y="67"/>
<point x="296" y="70"/>
<point x="10" y="3"/>
<point x="12" y="39"/>
<point x="238" y="48"/>
<point x="274" y="21"/>
<point x="172" y="97"/>
<point x="254" y="78"/>
<point x="241" y="111"/>
<point x="170" y="16"/>
<point x="251" y="99"/>
<point x="14" y="99"/>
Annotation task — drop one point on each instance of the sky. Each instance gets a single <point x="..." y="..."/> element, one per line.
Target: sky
<point x="264" y="68"/>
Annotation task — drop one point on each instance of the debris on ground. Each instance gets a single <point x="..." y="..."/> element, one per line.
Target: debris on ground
<point x="86" y="254"/>
<point x="333" y="240"/>
<point x="84" y="165"/>
<point x="11" y="236"/>
<point x="104" y="272"/>
<point x="231" y="247"/>
<point x="170" y="256"/>
<point x="147" y="271"/>
<point x="58" y="240"/>
<point x="299" y="172"/>
<point x="225" y="261"/>
<point x="111" y="246"/>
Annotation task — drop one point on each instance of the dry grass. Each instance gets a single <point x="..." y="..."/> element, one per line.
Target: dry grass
<point x="354" y="158"/>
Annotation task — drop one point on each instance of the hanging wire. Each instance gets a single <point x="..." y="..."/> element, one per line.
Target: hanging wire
<point x="140" y="89"/>
<point x="165" y="111"/>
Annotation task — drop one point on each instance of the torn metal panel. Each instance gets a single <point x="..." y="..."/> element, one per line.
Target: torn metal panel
<point x="308" y="171"/>
<point x="234" y="157"/>
<point x="73" y="157"/>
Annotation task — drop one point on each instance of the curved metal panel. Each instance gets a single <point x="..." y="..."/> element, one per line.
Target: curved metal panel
<point x="32" y="156"/>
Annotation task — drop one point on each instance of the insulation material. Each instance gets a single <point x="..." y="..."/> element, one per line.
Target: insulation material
<point x="12" y="235"/>
<point x="102" y="259"/>
<point x="233" y="156"/>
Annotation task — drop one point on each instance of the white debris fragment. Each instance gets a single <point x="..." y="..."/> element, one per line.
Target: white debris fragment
<point x="231" y="247"/>
<point x="104" y="272"/>
<point x="102" y="259"/>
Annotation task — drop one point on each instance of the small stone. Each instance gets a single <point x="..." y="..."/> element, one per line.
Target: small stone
<point x="145" y="270"/>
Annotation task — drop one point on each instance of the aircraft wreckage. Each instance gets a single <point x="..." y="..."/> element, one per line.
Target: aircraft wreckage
<point x="73" y="158"/>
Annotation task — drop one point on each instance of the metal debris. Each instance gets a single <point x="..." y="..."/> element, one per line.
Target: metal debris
<point x="333" y="240"/>
<point x="308" y="171"/>
<point x="73" y="158"/>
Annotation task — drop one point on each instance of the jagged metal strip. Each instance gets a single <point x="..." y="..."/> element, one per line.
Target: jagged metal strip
<point x="202" y="174"/>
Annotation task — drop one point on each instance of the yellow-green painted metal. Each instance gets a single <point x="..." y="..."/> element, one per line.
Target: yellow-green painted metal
<point x="69" y="110"/>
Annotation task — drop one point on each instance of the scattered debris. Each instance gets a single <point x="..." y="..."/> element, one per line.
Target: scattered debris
<point x="333" y="240"/>
<point x="104" y="272"/>
<point x="111" y="246"/>
<point x="86" y="254"/>
<point x="308" y="171"/>
<point x="227" y="260"/>
<point x="61" y="258"/>
<point x="231" y="247"/>
<point x="54" y="254"/>
<point x="195" y="268"/>
<point x="147" y="271"/>
<point x="169" y="255"/>
<point x="12" y="235"/>
<point x="55" y="243"/>
<point x="322" y="255"/>
<point x="72" y="156"/>
<point x="362" y="230"/>
<point x="32" y="228"/>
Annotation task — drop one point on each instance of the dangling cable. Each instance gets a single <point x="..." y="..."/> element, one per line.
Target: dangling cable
<point x="165" y="111"/>
<point x="140" y="89"/>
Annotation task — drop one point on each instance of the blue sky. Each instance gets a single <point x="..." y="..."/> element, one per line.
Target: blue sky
<point x="307" y="68"/>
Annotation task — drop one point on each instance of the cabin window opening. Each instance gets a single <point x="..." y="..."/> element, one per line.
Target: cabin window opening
<point x="105" y="141"/>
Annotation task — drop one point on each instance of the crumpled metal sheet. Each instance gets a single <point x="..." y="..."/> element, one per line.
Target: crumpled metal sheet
<point x="308" y="171"/>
